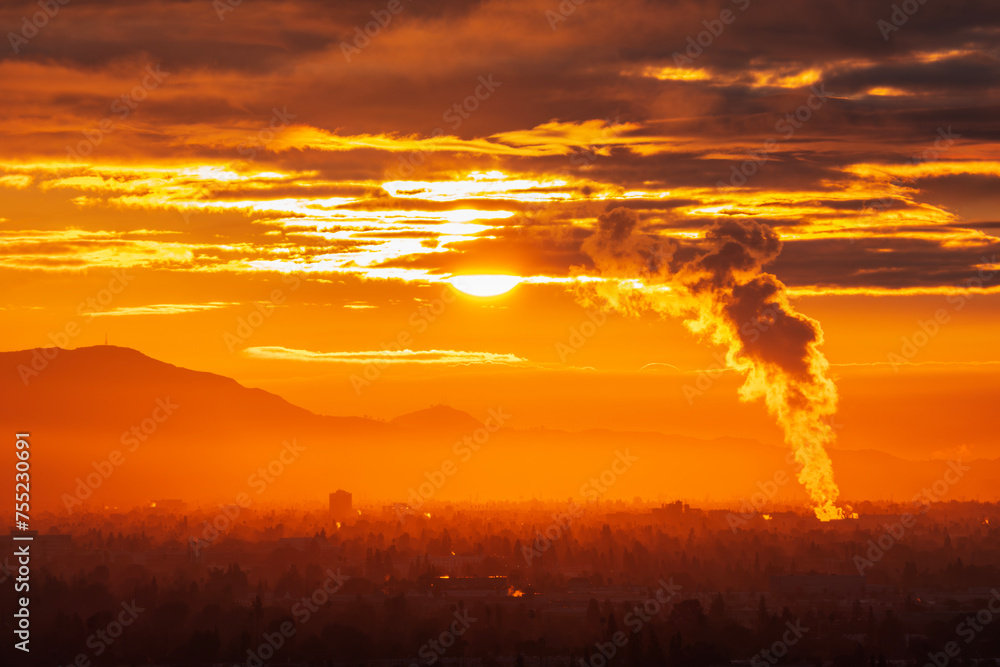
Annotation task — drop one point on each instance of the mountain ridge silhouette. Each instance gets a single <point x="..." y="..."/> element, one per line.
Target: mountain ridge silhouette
<point x="84" y="404"/>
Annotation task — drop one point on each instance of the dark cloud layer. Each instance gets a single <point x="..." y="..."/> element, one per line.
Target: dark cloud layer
<point x="682" y="132"/>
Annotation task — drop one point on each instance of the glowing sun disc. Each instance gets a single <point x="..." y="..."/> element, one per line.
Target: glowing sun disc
<point x="484" y="285"/>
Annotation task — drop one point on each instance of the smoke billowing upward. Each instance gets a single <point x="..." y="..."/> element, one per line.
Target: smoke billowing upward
<point x="719" y="287"/>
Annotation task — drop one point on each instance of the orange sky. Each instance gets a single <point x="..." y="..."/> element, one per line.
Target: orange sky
<point x="168" y="173"/>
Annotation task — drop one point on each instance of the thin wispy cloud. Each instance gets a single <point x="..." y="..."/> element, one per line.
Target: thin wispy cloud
<point x="447" y="357"/>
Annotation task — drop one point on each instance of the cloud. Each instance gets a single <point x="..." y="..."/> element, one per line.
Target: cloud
<point x="586" y="119"/>
<point x="163" y="309"/>
<point x="446" y="357"/>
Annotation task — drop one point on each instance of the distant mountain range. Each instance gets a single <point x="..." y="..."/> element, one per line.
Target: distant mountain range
<point x="145" y="429"/>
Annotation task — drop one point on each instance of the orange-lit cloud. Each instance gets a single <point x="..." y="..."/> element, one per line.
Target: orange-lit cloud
<point x="451" y="357"/>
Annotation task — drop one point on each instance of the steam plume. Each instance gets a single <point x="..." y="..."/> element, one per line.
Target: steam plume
<point x="720" y="289"/>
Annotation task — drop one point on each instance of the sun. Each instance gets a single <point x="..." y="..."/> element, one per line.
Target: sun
<point x="484" y="285"/>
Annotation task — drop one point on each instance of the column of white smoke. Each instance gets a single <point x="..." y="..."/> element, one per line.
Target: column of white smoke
<point x="719" y="287"/>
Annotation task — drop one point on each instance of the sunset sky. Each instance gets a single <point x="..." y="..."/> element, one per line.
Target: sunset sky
<point x="262" y="191"/>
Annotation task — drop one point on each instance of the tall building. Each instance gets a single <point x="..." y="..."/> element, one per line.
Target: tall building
<point x="341" y="505"/>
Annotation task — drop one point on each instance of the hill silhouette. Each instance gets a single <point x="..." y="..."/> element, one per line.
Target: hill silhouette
<point x="170" y="432"/>
<point x="438" y="418"/>
<point x="96" y="386"/>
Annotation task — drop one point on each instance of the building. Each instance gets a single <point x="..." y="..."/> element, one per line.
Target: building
<point x="341" y="505"/>
<point x="674" y="510"/>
